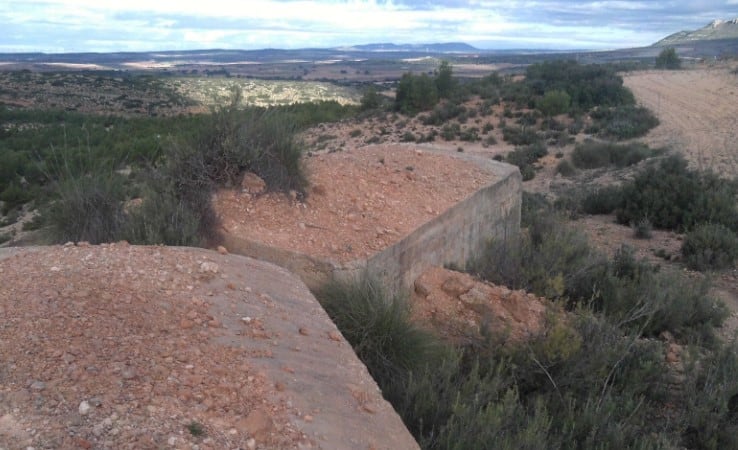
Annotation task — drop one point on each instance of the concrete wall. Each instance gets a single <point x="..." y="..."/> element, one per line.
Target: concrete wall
<point x="452" y="238"/>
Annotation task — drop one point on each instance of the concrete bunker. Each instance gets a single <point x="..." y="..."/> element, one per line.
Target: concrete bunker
<point x="446" y="235"/>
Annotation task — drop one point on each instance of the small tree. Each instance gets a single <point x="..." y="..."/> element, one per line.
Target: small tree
<point x="444" y="80"/>
<point x="668" y="59"/>
<point x="371" y="99"/>
<point x="554" y="102"/>
<point x="416" y="93"/>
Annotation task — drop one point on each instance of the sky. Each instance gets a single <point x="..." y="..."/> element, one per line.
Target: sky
<point x="62" y="26"/>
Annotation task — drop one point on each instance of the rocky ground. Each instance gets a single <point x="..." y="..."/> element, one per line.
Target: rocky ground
<point x="360" y="201"/>
<point x="458" y="307"/>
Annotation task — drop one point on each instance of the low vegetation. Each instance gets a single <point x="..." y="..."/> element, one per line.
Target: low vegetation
<point x="595" y="379"/>
<point x="147" y="180"/>
<point x="587" y="86"/>
<point x="710" y="246"/>
<point x="673" y="196"/>
<point x="592" y="154"/>
<point x="622" y="122"/>
<point x="525" y="158"/>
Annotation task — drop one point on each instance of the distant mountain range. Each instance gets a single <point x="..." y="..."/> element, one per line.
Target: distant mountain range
<point x="444" y="47"/>
<point x="715" y="30"/>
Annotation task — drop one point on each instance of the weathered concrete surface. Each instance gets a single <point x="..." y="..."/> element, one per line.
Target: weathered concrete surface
<point x="452" y="238"/>
<point x="189" y="325"/>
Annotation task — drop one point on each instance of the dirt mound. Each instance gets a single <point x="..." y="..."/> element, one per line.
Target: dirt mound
<point x="116" y="346"/>
<point x="361" y="201"/>
<point x="458" y="306"/>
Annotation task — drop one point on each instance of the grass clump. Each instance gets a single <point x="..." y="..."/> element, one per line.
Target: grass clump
<point x="710" y="247"/>
<point x="378" y="327"/>
<point x="196" y="429"/>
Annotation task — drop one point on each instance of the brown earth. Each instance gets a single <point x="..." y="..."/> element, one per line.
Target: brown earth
<point x="458" y="306"/>
<point x="361" y="201"/>
<point x="117" y="346"/>
<point x="698" y="110"/>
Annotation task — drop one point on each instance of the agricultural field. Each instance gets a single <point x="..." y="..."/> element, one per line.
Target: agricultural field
<point x="698" y="110"/>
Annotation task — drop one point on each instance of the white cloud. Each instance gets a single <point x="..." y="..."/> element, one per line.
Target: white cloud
<point x="99" y="25"/>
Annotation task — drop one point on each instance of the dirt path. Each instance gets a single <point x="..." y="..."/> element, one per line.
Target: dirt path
<point x="698" y="110"/>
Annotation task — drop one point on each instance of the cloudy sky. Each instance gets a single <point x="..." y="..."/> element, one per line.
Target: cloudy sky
<point x="146" y="25"/>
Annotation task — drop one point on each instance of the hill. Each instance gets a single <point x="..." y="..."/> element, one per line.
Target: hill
<point x="715" y="30"/>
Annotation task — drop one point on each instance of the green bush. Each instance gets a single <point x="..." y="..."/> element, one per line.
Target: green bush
<point x="520" y="135"/>
<point x="636" y="296"/>
<point x="542" y="261"/>
<point x="565" y="168"/>
<point x="445" y="82"/>
<point x="673" y="196"/>
<point x="407" y="137"/>
<point x="14" y="196"/>
<point x="710" y="401"/>
<point x="668" y="59"/>
<point x="592" y="154"/>
<point x="525" y="157"/>
<point x="555" y="261"/>
<point x="642" y="229"/>
<point x="623" y="122"/>
<point x="710" y="247"/>
<point x="532" y="206"/>
<point x="370" y="99"/>
<point x="588" y="86"/>
<point x="415" y="93"/>
<point x="450" y="130"/>
<point x="470" y="134"/>
<point x="443" y="113"/>
<point x="554" y="103"/>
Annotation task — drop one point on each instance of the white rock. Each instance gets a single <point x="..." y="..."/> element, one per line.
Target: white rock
<point x="209" y="267"/>
<point x="84" y="407"/>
